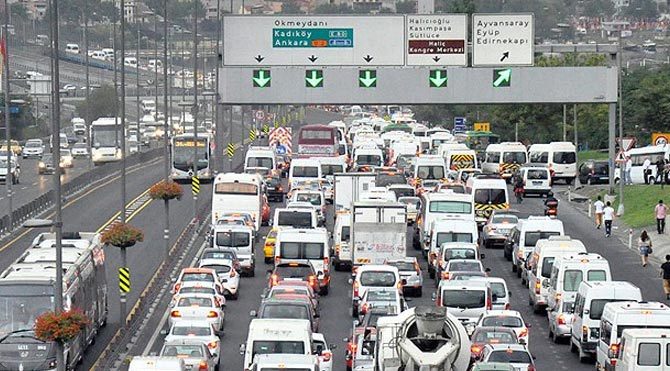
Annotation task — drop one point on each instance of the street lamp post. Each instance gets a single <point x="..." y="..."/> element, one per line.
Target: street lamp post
<point x="124" y="263"/>
<point x="9" y="179"/>
<point x="88" y="87"/>
<point x="137" y="70"/>
<point x="217" y="120"/>
<point x="195" y="103"/>
<point x="166" y="153"/>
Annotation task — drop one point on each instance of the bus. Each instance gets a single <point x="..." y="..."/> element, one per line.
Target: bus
<point x="106" y="137"/>
<point x="479" y="140"/>
<point x="184" y="151"/>
<point x="318" y="140"/>
<point x="237" y="193"/>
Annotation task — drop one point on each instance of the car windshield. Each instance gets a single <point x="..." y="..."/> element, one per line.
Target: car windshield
<point x="532" y="237"/>
<point x="191" y="331"/>
<point x="278" y="347"/>
<point x="385" y="179"/>
<point x="80" y="145"/>
<point x="463" y="298"/>
<point x="293" y="271"/>
<point x="233" y="239"/>
<point x="502" y="321"/>
<point x="265" y="162"/>
<point x="494" y="337"/>
<point x="455" y="207"/>
<point x="194" y="302"/>
<point x="301" y="250"/>
<point x="465" y="266"/>
<point x="21" y="304"/>
<point x="537" y="174"/>
<point x="197" y="290"/>
<point x="368" y="160"/>
<point x="547" y="264"/>
<point x="572" y="279"/>
<point x="183" y="350"/>
<point x="430" y="172"/>
<point x="443" y="237"/>
<point x="312" y="198"/>
<point x="306" y="172"/>
<point x="514" y="157"/>
<point x="403" y="266"/>
<point x="33" y="145"/>
<point x="218" y="255"/>
<point x="565" y="158"/>
<point x="285" y="311"/>
<point x="466" y="253"/>
<point x="199" y="277"/>
<point x="493" y="195"/>
<point x="219" y="269"/>
<point x="510" y="356"/>
<point x="503" y="219"/>
<point x="330" y="169"/>
<point x="498" y="289"/>
<point x="378" y="279"/>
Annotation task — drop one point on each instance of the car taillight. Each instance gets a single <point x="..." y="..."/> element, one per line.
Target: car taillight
<point x="280" y="189"/>
<point x="364" y="309"/>
<point x="613" y="352"/>
<point x="508" y="306"/>
<point x="475" y="349"/>
<point x="356" y="286"/>
<point x="523" y="333"/>
<point x="232" y="273"/>
<point x="175" y="314"/>
<point x="312" y="281"/>
<point x="274" y="280"/>
<point x="489" y="303"/>
<point x="445" y="275"/>
<point x="177" y="286"/>
<point x="326" y="356"/>
<point x="277" y="259"/>
<point x="538" y="286"/>
<point x="212" y="314"/>
<point x="561" y="319"/>
<point x="585" y="333"/>
<point x="326" y="263"/>
<point x="531" y="368"/>
<point x="213" y="345"/>
<point x="202" y="365"/>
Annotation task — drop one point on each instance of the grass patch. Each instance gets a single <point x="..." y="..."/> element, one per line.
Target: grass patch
<point x="639" y="201"/>
<point x="591" y="155"/>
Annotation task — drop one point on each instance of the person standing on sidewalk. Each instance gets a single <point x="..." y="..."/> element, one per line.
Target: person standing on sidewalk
<point x="646" y="171"/>
<point x="626" y="174"/>
<point x="608" y="217"/>
<point x="661" y="211"/>
<point x="644" y="244"/>
<point x="599" y="205"/>
<point x="665" y="274"/>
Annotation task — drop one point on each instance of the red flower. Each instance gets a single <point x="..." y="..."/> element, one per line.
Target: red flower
<point x="61" y="327"/>
<point x="165" y="190"/>
<point x="122" y="235"/>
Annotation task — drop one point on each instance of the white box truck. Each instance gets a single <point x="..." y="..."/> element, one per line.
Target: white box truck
<point x="348" y="188"/>
<point x="378" y="231"/>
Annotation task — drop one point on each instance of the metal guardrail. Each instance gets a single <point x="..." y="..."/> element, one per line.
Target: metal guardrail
<point x="46" y="200"/>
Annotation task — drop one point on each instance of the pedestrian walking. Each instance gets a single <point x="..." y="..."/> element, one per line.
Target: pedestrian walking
<point x="660" y="165"/>
<point x="626" y="174"/>
<point x="646" y="171"/>
<point x="645" y="247"/>
<point x="599" y="205"/>
<point x="608" y="217"/>
<point x="665" y="274"/>
<point x="661" y="211"/>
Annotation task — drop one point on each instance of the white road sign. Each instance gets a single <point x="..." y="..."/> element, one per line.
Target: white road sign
<point x="437" y="40"/>
<point x="313" y="41"/>
<point x="502" y="39"/>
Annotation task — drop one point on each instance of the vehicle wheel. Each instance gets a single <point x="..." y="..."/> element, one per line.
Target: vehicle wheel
<point x="236" y="296"/>
<point x="518" y="272"/>
<point x="555" y="338"/>
<point x="337" y="266"/>
<point x="354" y="311"/>
<point x="514" y="267"/>
<point x="252" y="273"/>
<point x="324" y="291"/>
<point x="551" y="333"/>
<point x="589" y="181"/>
<point x="573" y="347"/>
<point x="584" y="358"/>
<point x="431" y="272"/>
<point x="419" y="292"/>
<point x="569" y="181"/>
<point x="216" y="367"/>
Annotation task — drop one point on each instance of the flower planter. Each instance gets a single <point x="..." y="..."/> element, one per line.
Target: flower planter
<point x="122" y="235"/>
<point x="60" y="327"/>
<point x="165" y="190"/>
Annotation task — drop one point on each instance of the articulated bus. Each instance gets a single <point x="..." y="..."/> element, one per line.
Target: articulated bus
<point x="106" y="137"/>
<point x="184" y="151"/>
<point x="318" y="140"/>
<point x="237" y="193"/>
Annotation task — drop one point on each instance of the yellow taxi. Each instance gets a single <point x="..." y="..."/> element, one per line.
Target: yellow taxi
<point x="13" y="145"/>
<point x="269" y="246"/>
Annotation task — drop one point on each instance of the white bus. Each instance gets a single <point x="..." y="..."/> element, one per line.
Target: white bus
<point x="234" y="193"/>
<point x="106" y="137"/>
<point x="184" y="150"/>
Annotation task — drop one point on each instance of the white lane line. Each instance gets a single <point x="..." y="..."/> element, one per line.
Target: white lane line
<point x="156" y="333"/>
<point x="24" y="187"/>
<point x="35" y="183"/>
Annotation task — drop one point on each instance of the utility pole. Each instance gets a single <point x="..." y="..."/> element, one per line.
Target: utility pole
<point x="195" y="103"/>
<point x="574" y="125"/>
<point x="8" y="133"/>
<point x="88" y="88"/>
<point x="217" y="120"/>
<point x="166" y="153"/>
<point x="137" y="74"/>
<point x="565" y="123"/>
<point x="124" y="263"/>
<point x="55" y="119"/>
<point x="620" y="210"/>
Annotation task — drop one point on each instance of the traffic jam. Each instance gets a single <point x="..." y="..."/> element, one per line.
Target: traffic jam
<point x="410" y="212"/>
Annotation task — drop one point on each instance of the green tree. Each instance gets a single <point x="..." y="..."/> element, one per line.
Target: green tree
<point x="598" y="8"/>
<point x="290" y="7"/>
<point x="641" y="9"/>
<point x="18" y="10"/>
<point x="405" y="7"/>
<point x="333" y="9"/>
<point x="102" y="102"/>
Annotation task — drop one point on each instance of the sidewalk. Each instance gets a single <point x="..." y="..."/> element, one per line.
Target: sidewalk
<point x="626" y="235"/>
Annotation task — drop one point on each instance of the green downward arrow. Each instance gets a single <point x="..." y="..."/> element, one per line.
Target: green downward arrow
<point x="502" y="77"/>
<point x="261" y="78"/>
<point x="314" y="78"/>
<point x="367" y="78"/>
<point x="437" y="78"/>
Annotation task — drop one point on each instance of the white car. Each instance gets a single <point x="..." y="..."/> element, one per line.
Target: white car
<point x="382" y="298"/>
<point x="79" y="150"/>
<point x="195" y="354"/>
<point x="33" y="148"/>
<point x="230" y="279"/>
<point x="372" y="275"/>
<point x="516" y="355"/>
<point x="506" y="318"/>
<point x="201" y="331"/>
<point x="196" y="307"/>
<point x="66" y="157"/>
<point x="324" y="352"/>
<point x="206" y="288"/>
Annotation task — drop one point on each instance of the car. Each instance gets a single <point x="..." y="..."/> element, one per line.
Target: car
<point x="229" y="277"/>
<point x="371" y="276"/>
<point x="461" y="265"/>
<point x="13" y="145"/>
<point x="324" y="351"/>
<point x="560" y="320"/>
<point x="410" y="271"/>
<point x="79" y="150"/>
<point x="34" y="148"/>
<point x="382" y="297"/>
<point x="14" y="172"/>
<point x="69" y="89"/>
<point x="269" y="246"/>
<point x="189" y="307"/>
<point x="265" y="211"/>
<point x="594" y="172"/>
<point x="197" y="275"/>
<point x="221" y="253"/>
<point x="199" y="288"/>
<point x="195" y="354"/>
<point x="484" y="335"/>
<point x="294" y="271"/>
<point x="511" y="319"/>
<point x="46" y="165"/>
<point x="492" y="366"/>
<point x="498" y="228"/>
<point x="288" y="308"/>
<point x="274" y="188"/>
<point x="516" y="355"/>
<point x="200" y="331"/>
<point x="289" y="289"/>
<point x="66" y="157"/>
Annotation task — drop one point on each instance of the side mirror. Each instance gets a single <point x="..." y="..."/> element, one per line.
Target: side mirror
<point x="545" y="284"/>
<point x="487" y="270"/>
<point x="433" y="297"/>
<point x="482" y="256"/>
<point x="332" y="346"/>
<point x="173" y="280"/>
<point x="164" y="332"/>
<point x="153" y="354"/>
<point x="586" y="311"/>
<point x="253" y="313"/>
<point x="351" y="281"/>
<point x="243" y="348"/>
<point x="509" y="293"/>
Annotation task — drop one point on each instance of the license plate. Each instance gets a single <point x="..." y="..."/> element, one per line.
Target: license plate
<point x="537" y="182"/>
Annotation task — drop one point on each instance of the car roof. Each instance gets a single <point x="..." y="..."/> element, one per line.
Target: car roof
<point x="515" y="347"/>
<point x="507" y="312"/>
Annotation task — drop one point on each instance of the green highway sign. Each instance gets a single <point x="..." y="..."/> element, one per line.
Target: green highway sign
<point x="367" y="78"/>
<point x="502" y="77"/>
<point x="313" y="38"/>
<point x="314" y="78"/>
<point x="261" y="78"/>
<point x="437" y="79"/>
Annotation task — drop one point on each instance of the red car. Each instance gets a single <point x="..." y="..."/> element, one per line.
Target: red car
<point x="265" y="216"/>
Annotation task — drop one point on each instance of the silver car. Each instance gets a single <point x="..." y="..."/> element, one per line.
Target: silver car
<point x="200" y="331"/>
<point x="195" y="354"/>
<point x="410" y="272"/>
<point x="497" y="229"/>
<point x="560" y="320"/>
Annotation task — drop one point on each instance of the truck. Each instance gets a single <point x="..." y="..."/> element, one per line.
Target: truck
<point x="378" y="231"/>
<point x="348" y="188"/>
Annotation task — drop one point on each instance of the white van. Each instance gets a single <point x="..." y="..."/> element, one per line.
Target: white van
<point x="444" y="148"/>
<point x="306" y="245"/>
<point x="559" y="157"/>
<point x="440" y="205"/>
<point x="78" y="126"/>
<point x="623" y="315"/>
<point x="272" y="336"/>
<point x="568" y="273"/>
<point x="540" y="262"/>
<point x="467" y="300"/>
<point x="273" y="362"/>
<point x="448" y="230"/>
<point x="438" y="138"/>
<point x="240" y="238"/>
<point x="342" y="257"/>
<point x="644" y="350"/>
<point x="368" y="156"/>
<point x="457" y="159"/>
<point x="504" y="158"/>
<point x="148" y="106"/>
<point x="295" y="217"/>
<point x="488" y="193"/>
<point x="72" y="48"/>
<point x="155" y="363"/>
<point x="524" y="237"/>
<point x="589" y="305"/>
<point x="430" y="168"/>
<point x="260" y="157"/>
<point x="332" y="165"/>
<point x="63" y="141"/>
<point x="653" y="154"/>
<point x="536" y="180"/>
<point x="304" y="170"/>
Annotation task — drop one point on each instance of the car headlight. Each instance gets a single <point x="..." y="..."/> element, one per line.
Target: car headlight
<point x="41" y="165"/>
